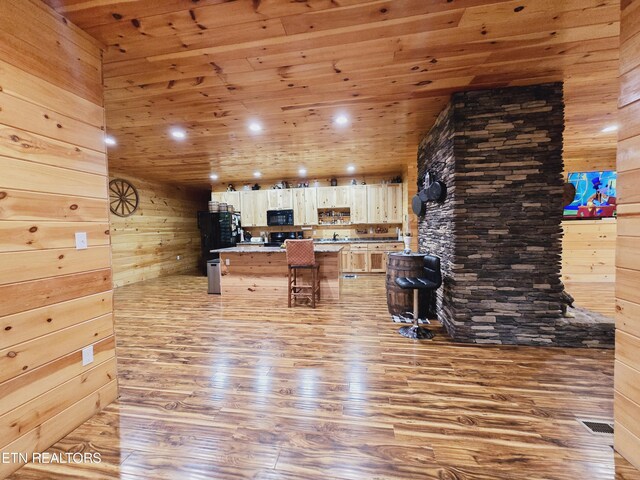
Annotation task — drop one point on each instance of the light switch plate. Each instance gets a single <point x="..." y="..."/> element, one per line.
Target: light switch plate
<point x="87" y="355"/>
<point x="81" y="240"/>
<point x="227" y="261"/>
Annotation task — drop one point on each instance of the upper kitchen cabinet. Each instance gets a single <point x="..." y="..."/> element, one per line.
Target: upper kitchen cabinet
<point x="394" y="203"/>
<point x="358" y="203"/>
<point x="384" y="203"/>
<point x="333" y="197"/>
<point x="230" y="198"/>
<point x="375" y="203"/>
<point x="254" y="211"/>
<point x="366" y="203"/>
<point x="279" y="199"/>
<point x="305" y="206"/>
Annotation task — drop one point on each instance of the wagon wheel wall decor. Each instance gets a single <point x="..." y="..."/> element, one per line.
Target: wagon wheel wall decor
<point x="123" y="197"/>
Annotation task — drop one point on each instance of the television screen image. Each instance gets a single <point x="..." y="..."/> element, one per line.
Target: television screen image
<point x="595" y="195"/>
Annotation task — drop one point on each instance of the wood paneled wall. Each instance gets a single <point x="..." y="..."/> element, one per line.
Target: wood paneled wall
<point x="54" y="299"/>
<point x="410" y="188"/>
<point x="588" y="263"/>
<point x="146" y="244"/>
<point x="627" y="370"/>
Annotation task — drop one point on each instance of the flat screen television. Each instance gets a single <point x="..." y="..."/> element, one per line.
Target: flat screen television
<point x="595" y="195"/>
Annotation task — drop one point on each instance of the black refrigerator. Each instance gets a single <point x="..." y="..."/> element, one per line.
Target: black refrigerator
<point x="217" y="230"/>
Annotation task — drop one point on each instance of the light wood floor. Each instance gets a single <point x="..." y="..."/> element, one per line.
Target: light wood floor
<point x="216" y="388"/>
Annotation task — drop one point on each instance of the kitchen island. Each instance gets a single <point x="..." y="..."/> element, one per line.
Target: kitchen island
<point x="262" y="271"/>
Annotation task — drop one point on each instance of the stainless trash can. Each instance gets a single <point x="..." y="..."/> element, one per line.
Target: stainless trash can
<point x="213" y="275"/>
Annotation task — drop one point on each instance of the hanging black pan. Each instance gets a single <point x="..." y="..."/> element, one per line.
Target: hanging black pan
<point x="418" y="206"/>
<point x="436" y="191"/>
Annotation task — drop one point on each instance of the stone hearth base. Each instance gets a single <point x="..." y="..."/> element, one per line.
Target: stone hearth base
<point x="587" y="329"/>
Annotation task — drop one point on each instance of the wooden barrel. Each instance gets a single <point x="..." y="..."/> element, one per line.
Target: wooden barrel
<point x="400" y="301"/>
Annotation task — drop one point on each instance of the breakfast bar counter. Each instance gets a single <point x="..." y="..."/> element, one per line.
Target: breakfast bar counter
<point x="262" y="271"/>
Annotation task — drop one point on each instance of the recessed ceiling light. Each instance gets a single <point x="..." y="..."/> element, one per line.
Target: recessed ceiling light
<point x="178" y="134"/>
<point x="342" y="119"/>
<point x="213" y="176"/>
<point x="351" y="169"/>
<point x="610" y="128"/>
<point x="255" y="127"/>
<point x="110" y="140"/>
<point x="302" y="171"/>
<point x="257" y="174"/>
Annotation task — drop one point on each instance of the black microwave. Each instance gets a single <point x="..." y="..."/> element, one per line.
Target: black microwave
<point x="279" y="217"/>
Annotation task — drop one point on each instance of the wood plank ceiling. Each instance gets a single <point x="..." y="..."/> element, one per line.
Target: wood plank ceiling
<point x="211" y="67"/>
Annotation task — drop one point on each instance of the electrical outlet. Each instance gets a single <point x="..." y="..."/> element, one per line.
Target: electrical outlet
<point x="87" y="355"/>
<point x="178" y="257"/>
<point x="81" y="240"/>
<point x="227" y="261"/>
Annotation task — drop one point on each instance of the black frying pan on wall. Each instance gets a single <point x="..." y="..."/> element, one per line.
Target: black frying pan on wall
<point x="418" y="206"/>
<point x="437" y="191"/>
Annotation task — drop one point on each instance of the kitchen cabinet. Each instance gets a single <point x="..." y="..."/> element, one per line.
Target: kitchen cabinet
<point x="333" y="197"/>
<point x="379" y="255"/>
<point x="230" y="198"/>
<point x="359" y="261"/>
<point x="279" y="199"/>
<point x="358" y="258"/>
<point x="305" y="206"/>
<point x="394" y="203"/>
<point x="367" y="204"/>
<point x="254" y="211"/>
<point x="377" y="261"/>
<point x="384" y="203"/>
<point x="324" y="197"/>
<point x="368" y="257"/>
<point x="345" y="263"/>
<point x="376" y="204"/>
<point x="358" y="203"/>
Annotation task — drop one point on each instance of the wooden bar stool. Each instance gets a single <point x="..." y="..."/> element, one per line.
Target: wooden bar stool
<point x="300" y="256"/>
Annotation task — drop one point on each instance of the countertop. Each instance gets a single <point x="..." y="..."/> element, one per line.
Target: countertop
<point x="359" y="240"/>
<point x="318" y="248"/>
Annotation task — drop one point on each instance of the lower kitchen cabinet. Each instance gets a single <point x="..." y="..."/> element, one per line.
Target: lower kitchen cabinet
<point x="359" y="261"/>
<point x="345" y="263"/>
<point x="377" y="262"/>
<point x="368" y="257"/>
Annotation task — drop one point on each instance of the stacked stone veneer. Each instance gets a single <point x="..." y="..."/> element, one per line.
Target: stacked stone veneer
<point x="498" y="233"/>
<point x="436" y="230"/>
